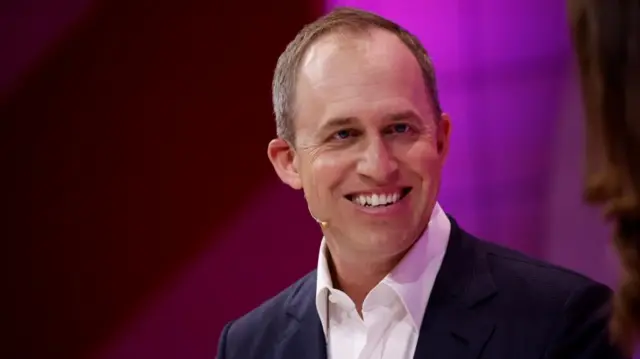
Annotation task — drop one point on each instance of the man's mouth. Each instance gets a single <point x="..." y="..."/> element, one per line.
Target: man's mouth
<point x="378" y="199"/>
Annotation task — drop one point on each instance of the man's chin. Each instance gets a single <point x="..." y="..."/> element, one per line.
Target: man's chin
<point x="381" y="237"/>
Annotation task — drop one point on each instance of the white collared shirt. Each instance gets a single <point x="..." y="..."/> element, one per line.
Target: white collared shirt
<point x="392" y="312"/>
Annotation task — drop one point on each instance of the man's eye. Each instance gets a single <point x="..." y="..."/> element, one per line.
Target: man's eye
<point x="398" y="128"/>
<point x="401" y="128"/>
<point x="343" y="134"/>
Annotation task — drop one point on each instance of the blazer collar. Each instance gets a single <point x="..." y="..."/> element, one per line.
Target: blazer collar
<point x="303" y="336"/>
<point x="454" y="326"/>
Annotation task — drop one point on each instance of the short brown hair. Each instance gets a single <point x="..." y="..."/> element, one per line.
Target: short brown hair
<point x="606" y="37"/>
<point x="342" y="18"/>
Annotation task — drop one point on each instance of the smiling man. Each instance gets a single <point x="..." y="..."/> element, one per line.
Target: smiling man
<point x="361" y="132"/>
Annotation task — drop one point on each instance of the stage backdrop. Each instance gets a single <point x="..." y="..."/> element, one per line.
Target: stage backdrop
<point x="144" y="214"/>
<point x="135" y="136"/>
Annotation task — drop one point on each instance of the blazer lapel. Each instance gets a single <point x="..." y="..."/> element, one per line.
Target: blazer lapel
<point x="303" y="337"/>
<point x="454" y="325"/>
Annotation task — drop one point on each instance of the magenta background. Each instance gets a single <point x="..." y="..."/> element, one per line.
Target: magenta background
<point x="513" y="176"/>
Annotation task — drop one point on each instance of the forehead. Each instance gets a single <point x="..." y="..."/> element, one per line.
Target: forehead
<point x="360" y="75"/>
<point x="344" y="52"/>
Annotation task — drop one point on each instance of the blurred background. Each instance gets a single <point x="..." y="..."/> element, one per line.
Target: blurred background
<point x="142" y="213"/>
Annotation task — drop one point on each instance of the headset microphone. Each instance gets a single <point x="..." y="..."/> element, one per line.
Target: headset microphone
<point x="323" y="224"/>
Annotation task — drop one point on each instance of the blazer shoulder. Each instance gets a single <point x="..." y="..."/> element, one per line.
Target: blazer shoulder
<point x="532" y="277"/>
<point x="266" y="320"/>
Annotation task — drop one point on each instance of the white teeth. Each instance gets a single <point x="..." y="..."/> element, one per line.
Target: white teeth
<point x="376" y="200"/>
<point x="361" y="200"/>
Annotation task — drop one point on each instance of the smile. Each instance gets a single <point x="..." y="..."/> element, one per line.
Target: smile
<point x="378" y="199"/>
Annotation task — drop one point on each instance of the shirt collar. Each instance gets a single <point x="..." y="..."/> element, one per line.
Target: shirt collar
<point x="412" y="279"/>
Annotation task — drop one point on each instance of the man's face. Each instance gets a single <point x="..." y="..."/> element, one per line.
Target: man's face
<point x="369" y="148"/>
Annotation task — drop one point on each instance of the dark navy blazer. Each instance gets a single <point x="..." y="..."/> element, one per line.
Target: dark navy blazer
<point x="488" y="302"/>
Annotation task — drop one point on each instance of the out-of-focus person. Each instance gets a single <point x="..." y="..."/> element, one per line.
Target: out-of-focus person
<point x="606" y="38"/>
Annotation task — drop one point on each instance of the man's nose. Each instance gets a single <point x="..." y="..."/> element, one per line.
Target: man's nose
<point x="378" y="162"/>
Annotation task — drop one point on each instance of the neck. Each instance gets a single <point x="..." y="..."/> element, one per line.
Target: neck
<point x="357" y="274"/>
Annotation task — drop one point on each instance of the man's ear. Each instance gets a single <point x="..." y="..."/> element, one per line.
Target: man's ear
<point x="283" y="158"/>
<point x="444" y="133"/>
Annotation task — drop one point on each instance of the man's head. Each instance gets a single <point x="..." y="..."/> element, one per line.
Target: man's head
<point x="360" y="130"/>
<point x="349" y="22"/>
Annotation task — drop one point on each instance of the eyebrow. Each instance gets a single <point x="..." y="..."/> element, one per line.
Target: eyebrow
<point x="338" y="122"/>
<point x="403" y="116"/>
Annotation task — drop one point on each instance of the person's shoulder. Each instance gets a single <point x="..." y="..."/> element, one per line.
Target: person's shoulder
<point x="534" y="278"/>
<point x="562" y="308"/>
<point x="268" y="318"/>
<point x="274" y="307"/>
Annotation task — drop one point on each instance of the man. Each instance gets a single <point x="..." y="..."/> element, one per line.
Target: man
<point x="361" y="132"/>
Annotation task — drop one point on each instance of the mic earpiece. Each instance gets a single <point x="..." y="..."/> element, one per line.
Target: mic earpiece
<point x="322" y="224"/>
